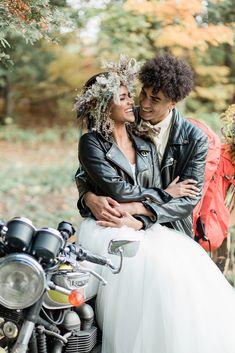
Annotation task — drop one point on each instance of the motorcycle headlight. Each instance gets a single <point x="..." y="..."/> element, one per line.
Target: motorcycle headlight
<point x="22" y="281"/>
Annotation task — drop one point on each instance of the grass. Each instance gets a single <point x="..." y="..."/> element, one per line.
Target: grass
<point x="12" y="133"/>
<point x="37" y="176"/>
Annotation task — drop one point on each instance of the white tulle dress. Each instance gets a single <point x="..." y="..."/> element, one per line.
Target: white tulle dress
<point x="169" y="298"/>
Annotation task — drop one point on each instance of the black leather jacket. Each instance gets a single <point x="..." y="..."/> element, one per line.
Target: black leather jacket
<point x="185" y="156"/>
<point x="106" y="171"/>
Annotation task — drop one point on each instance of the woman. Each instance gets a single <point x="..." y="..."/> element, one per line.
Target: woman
<point x="169" y="298"/>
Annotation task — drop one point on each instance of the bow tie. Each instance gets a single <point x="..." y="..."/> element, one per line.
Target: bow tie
<point x="156" y="130"/>
<point x="145" y="126"/>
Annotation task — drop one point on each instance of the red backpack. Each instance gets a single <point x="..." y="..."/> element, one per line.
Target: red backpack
<point x="211" y="215"/>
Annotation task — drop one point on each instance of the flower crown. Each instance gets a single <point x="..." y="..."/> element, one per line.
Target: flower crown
<point x="95" y="100"/>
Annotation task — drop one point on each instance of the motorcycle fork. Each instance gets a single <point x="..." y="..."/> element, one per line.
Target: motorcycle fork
<point x="26" y="331"/>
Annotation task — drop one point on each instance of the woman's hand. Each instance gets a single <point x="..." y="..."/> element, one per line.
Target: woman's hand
<point x="182" y="188"/>
<point x="125" y="220"/>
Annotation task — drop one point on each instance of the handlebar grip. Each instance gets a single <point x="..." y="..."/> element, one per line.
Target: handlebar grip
<point x="66" y="229"/>
<point x="3" y="228"/>
<point x="83" y="254"/>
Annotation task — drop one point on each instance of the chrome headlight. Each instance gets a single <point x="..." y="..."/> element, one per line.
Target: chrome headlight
<point x="22" y="281"/>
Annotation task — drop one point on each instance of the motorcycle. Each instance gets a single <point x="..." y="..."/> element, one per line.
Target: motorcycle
<point x="43" y="285"/>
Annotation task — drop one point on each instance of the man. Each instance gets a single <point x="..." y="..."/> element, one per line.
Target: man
<point x="181" y="148"/>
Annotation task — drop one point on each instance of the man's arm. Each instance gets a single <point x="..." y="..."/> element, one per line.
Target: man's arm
<point x="180" y="208"/>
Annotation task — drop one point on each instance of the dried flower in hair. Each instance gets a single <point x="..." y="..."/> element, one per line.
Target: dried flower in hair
<point x="95" y="101"/>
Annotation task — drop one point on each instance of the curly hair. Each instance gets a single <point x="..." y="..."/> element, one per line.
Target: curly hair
<point x="171" y="75"/>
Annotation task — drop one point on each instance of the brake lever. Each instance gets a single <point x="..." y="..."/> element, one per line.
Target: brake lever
<point x="75" y="264"/>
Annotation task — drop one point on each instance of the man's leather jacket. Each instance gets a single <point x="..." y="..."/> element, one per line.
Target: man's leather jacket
<point x="106" y="171"/>
<point x="184" y="156"/>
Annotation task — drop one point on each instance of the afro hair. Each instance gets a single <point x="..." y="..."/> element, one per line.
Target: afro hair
<point x="171" y="75"/>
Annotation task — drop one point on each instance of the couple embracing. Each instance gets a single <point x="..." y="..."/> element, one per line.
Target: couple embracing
<point x="141" y="174"/>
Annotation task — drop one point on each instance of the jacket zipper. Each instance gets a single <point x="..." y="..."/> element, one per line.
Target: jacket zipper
<point x="168" y="165"/>
<point x="173" y="169"/>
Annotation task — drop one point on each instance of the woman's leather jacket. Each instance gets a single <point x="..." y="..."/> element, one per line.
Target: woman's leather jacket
<point x="107" y="172"/>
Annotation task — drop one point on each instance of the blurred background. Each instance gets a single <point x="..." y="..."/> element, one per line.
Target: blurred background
<point x="48" y="49"/>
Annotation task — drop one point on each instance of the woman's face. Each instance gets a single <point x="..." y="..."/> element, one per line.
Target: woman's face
<point x="123" y="112"/>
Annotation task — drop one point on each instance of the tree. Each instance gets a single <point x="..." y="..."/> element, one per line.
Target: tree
<point x="29" y="19"/>
<point x="22" y="24"/>
<point x="201" y="32"/>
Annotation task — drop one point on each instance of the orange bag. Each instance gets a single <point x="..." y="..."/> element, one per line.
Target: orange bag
<point x="211" y="216"/>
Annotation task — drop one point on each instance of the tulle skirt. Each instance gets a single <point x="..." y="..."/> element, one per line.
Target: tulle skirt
<point x="169" y="298"/>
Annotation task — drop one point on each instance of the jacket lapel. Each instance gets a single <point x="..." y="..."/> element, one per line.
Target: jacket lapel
<point x="117" y="157"/>
<point x="143" y="149"/>
<point x="178" y="136"/>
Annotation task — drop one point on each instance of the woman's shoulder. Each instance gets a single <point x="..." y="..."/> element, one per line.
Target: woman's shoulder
<point x="88" y="140"/>
<point x="91" y="142"/>
<point x="89" y="137"/>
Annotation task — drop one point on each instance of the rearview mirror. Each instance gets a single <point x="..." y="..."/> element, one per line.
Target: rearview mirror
<point x="128" y="248"/>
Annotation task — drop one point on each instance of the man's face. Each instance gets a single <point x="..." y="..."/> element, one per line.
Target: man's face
<point x="154" y="107"/>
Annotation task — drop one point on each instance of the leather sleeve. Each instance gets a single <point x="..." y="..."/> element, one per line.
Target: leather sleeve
<point x="83" y="187"/>
<point x="147" y="222"/>
<point x="180" y="208"/>
<point x="100" y="171"/>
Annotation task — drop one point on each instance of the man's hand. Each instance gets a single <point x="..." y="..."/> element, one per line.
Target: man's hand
<point x="102" y="207"/>
<point x="183" y="188"/>
<point x="125" y="220"/>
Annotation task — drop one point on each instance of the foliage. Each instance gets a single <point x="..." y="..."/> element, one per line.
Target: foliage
<point x="40" y="88"/>
<point x="201" y="32"/>
<point x="30" y="19"/>
<point x="36" y="22"/>
<point x="43" y="91"/>
<point x="181" y="24"/>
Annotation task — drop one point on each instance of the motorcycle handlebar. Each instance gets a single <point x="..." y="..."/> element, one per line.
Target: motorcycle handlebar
<point x="83" y="254"/>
